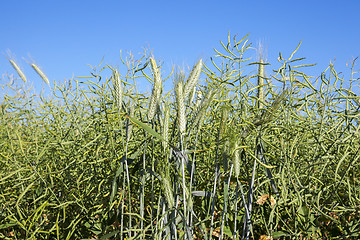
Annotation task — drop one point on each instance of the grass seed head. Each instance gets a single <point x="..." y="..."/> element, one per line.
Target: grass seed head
<point x="193" y="79"/>
<point x="260" y="83"/>
<point x="179" y="88"/>
<point x="131" y="114"/>
<point x="118" y="89"/>
<point x="201" y="109"/>
<point x="224" y="116"/>
<point x="41" y="74"/>
<point x="236" y="160"/>
<point x="166" y="183"/>
<point x="156" y="92"/>
<point x="166" y="124"/>
<point x="18" y="70"/>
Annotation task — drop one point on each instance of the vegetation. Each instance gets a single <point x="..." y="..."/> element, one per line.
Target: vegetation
<point x="230" y="153"/>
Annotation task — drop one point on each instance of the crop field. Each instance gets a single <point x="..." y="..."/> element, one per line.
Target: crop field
<point x="235" y="150"/>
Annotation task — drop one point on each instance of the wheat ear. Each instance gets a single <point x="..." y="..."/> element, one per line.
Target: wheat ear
<point x="179" y="89"/>
<point x="236" y="159"/>
<point x="18" y="70"/>
<point x="166" y="124"/>
<point x="166" y="183"/>
<point x="118" y="89"/>
<point x="260" y="83"/>
<point x="261" y="77"/>
<point x="193" y="79"/>
<point x="41" y="73"/>
<point x="156" y="92"/>
<point x="201" y="109"/>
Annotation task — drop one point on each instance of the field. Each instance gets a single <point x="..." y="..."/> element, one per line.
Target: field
<point x="235" y="150"/>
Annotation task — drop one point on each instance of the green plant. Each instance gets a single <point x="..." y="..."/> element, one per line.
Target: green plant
<point x="231" y="152"/>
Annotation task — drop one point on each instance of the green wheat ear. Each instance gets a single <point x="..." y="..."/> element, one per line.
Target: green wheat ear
<point x="223" y="120"/>
<point x="260" y="83"/>
<point x="260" y="78"/>
<point x="193" y="79"/>
<point x="201" y="109"/>
<point x="156" y="92"/>
<point x="131" y="114"/>
<point x="168" y="191"/>
<point x="118" y="89"/>
<point x="236" y="159"/>
<point x="180" y="100"/>
<point x="18" y="70"/>
<point x="41" y="73"/>
<point x="165" y="132"/>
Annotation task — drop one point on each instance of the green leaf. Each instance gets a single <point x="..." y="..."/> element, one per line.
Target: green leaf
<point x="145" y="127"/>
<point x="279" y="234"/>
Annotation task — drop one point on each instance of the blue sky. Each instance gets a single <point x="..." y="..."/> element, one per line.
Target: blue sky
<point x="63" y="37"/>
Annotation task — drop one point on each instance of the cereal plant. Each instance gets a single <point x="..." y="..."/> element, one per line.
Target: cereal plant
<point x="236" y="150"/>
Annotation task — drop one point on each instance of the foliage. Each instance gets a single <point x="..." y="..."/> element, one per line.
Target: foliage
<point x="229" y="153"/>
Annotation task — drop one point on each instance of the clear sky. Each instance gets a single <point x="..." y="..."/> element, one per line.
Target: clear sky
<point x="63" y="37"/>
